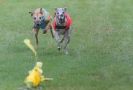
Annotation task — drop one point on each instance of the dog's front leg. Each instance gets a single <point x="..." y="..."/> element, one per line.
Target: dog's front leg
<point x="51" y="30"/>
<point x="66" y="41"/>
<point x="57" y="38"/>
<point x="36" y="36"/>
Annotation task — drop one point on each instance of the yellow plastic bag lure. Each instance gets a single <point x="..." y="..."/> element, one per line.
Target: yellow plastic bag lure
<point x="28" y="43"/>
<point x="35" y="76"/>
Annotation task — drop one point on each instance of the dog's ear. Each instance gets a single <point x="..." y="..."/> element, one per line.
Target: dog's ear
<point x="41" y="11"/>
<point x="31" y="13"/>
<point x="55" y="9"/>
<point x="65" y="8"/>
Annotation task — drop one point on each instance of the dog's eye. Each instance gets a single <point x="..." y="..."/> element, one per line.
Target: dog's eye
<point x="57" y="13"/>
<point x="34" y="18"/>
<point x="40" y="17"/>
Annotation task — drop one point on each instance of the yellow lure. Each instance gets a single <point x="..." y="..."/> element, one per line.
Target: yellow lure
<point x="35" y="76"/>
<point x="28" y="43"/>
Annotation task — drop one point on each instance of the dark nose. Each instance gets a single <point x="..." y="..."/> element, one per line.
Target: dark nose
<point x="61" y="15"/>
<point x="37" y="24"/>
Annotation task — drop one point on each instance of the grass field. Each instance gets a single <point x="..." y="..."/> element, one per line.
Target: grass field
<point x="101" y="47"/>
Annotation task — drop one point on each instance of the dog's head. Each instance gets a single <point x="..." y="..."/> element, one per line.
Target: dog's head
<point x="60" y="14"/>
<point x="37" y="16"/>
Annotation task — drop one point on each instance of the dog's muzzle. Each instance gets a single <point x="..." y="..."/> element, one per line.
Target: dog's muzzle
<point x="37" y="23"/>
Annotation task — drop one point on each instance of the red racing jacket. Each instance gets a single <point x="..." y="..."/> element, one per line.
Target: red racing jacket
<point x="68" y="22"/>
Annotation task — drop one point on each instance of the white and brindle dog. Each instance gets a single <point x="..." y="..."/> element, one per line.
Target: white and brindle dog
<point x="42" y="20"/>
<point x="62" y="28"/>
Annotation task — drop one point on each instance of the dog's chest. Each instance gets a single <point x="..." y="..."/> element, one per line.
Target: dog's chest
<point x="61" y="31"/>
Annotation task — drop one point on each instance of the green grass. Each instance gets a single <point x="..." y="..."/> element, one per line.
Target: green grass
<point x="101" y="48"/>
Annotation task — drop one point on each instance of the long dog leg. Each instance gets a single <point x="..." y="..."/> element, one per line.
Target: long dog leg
<point x="36" y="36"/>
<point x="67" y="40"/>
<point x="57" y="38"/>
<point x="51" y="30"/>
<point x="49" y="27"/>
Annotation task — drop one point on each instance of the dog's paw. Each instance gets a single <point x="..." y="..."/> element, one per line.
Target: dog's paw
<point x="59" y="48"/>
<point x="66" y="52"/>
<point x="44" y="31"/>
